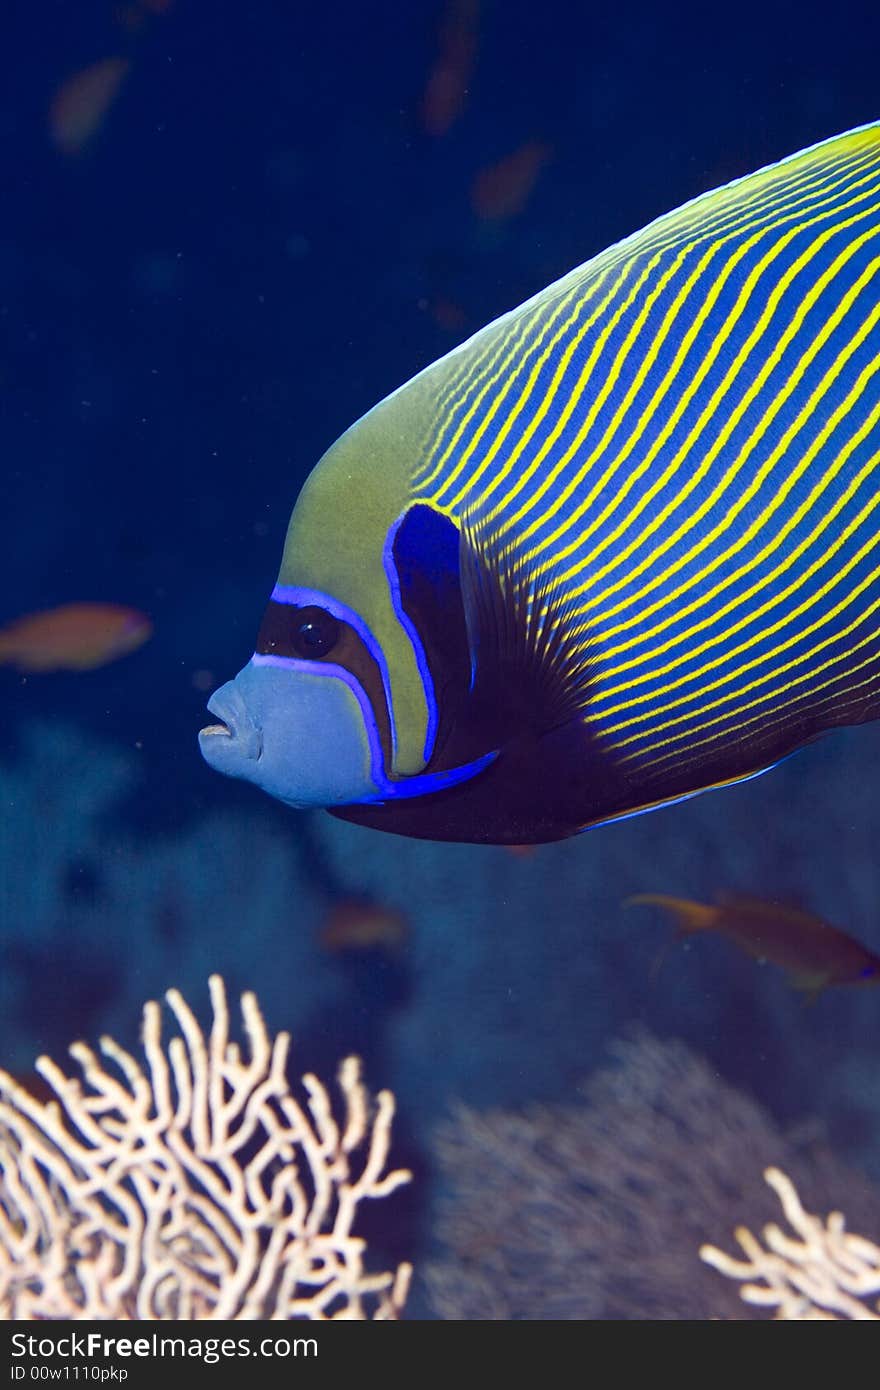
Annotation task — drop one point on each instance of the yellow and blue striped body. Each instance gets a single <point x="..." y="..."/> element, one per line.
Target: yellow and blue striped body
<point x="621" y="546"/>
<point x="683" y="439"/>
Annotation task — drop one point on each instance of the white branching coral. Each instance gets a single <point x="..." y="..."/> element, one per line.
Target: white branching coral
<point x="197" y="1186"/>
<point x="824" y="1272"/>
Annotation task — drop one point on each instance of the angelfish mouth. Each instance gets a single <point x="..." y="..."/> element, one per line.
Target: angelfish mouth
<point x="235" y="735"/>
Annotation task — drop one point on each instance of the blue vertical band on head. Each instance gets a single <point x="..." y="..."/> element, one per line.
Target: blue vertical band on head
<point x="411" y="631"/>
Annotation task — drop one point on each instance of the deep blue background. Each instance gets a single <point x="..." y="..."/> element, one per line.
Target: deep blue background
<point x="260" y="242"/>
<point x="240" y="263"/>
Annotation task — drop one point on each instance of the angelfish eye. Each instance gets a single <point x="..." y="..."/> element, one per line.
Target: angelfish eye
<point x="315" y="632"/>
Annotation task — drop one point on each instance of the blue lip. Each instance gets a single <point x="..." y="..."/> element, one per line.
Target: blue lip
<point x="237" y="736"/>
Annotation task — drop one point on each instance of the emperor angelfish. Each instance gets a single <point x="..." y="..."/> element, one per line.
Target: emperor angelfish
<point x="618" y="548"/>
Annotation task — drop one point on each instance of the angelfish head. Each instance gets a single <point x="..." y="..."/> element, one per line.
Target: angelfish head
<point x="347" y="694"/>
<point x="309" y="719"/>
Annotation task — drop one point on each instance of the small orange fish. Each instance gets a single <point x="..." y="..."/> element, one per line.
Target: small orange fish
<point x="81" y="103"/>
<point x="503" y="189"/>
<point x="360" y="924"/>
<point x="447" y="86"/>
<point x="447" y="314"/>
<point x="74" y="637"/>
<point x="133" y="17"/>
<point x="814" y="953"/>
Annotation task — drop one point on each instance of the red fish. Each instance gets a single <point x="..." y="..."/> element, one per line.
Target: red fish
<point x="82" y="101"/>
<point x="447" y="86"/>
<point x="74" y="637"/>
<point x="359" y="924"/>
<point x="814" y="953"/>
<point x="447" y="314"/>
<point x="503" y="189"/>
<point x="133" y="17"/>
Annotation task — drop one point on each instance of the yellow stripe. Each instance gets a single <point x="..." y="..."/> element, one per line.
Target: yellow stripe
<point x="777" y="598"/>
<point x="759" y="662"/>
<point x="777" y="501"/>
<point x="827" y="157"/>
<point x="576" y="299"/>
<point x="669" y="601"/>
<point x="476" y="373"/>
<point x="549" y="395"/>
<point x="706" y="416"/>
<point x="512" y="366"/>
<point x="794" y="715"/>
<point x="666" y="230"/>
<point x="802" y="546"/>
<point x="747" y="218"/>
<point x="479" y="377"/>
<point x="632" y="438"/>
<point x="743" y="498"/>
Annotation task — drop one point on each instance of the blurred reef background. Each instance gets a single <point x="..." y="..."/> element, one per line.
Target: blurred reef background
<point x="228" y="230"/>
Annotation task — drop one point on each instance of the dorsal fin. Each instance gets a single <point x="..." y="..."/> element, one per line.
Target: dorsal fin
<point x="529" y="654"/>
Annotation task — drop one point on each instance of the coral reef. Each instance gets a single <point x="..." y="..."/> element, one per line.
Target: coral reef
<point x="515" y="972"/>
<point x="596" y="1208"/>
<point x="195" y="1187"/>
<point x="822" y="1273"/>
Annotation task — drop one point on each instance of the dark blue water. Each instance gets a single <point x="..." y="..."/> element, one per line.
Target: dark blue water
<point x="258" y="241"/>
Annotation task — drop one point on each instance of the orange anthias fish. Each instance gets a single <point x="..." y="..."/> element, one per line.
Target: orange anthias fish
<point x="360" y="924"/>
<point x="503" y="189"/>
<point x="447" y="86"/>
<point x="81" y="103"/>
<point x="814" y="953"/>
<point x="74" y="637"/>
